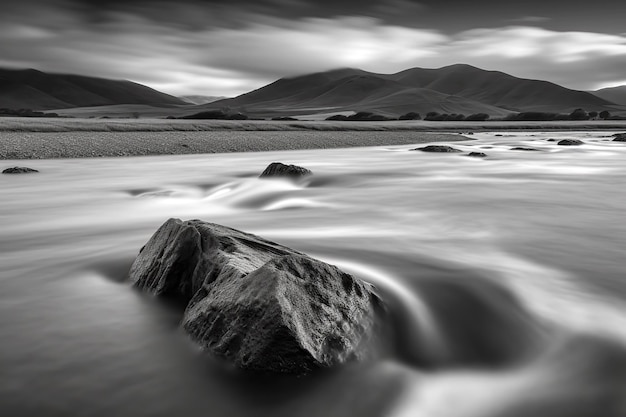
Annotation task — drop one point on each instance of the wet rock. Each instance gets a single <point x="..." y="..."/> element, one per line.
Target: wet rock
<point x="477" y="154"/>
<point x="522" y="148"/>
<point x="619" y="137"/>
<point x="570" y="142"/>
<point x="551" y="140"/>
<point x="278" y="169"/>
<point x="258" y="304"/>
<point x="437" y="148"/>
<point x="19" y="170"/>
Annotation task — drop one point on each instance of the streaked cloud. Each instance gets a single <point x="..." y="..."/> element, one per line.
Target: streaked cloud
<point x="228" y="52"/>
<point x="530" y="19"/>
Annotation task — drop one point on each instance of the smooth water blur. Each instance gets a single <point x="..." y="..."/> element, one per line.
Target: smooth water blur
<point x="504" y="278"/>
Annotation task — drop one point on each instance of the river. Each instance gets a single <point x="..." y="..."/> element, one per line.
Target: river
<point x="504" y="278"/>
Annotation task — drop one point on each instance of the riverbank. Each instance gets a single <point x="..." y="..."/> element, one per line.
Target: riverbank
<point x="24" y="138"/>
<point x="22" y="124"/>
<point x="51" y="145"/>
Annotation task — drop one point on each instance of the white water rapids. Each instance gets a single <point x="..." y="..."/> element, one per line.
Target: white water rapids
<point x="504" y="277"/>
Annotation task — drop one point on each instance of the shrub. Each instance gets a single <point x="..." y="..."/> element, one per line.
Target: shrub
<point x="216" y="115"/>
<point x="365" y="116"/>
<point x="477" y="117"/>
<point x="410" y="116"/>
<point x="339" y="117"/>
<point x="605" y="114"/>
<point x="434" y="116"/>
<point x="532" y="116"/>
<point x="579" y="114"/>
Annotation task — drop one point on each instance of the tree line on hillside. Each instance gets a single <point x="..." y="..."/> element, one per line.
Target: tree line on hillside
<point x="25" y="113"/>
<point x="434" y="116"/>
<point x="578" y="114"/>
<point x="364" y="116"/>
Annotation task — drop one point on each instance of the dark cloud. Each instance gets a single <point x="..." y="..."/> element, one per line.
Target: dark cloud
<point x="229" y="47"/>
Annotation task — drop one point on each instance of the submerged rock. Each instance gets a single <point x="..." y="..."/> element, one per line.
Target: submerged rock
<point x="477" y="154"/>
<point x="261" y="305"/>
<point x="522" y="148"/>
<point x="19" y="170"/>
<point x="437" y="148"/>
<point x="278" y="169"/>
<point x="570" y="142"/>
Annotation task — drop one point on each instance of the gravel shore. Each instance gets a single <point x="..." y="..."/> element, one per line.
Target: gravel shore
<point x="47" y="145"/>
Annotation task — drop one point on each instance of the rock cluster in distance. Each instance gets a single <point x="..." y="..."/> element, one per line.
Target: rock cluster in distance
<point x="278" y="169"/>
<point x="261" y="305"/>
<point x="19" y="170"/>
<point x="437" y="148"/>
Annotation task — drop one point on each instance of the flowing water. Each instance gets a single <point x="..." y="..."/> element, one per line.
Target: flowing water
<point x="504" y="278"/>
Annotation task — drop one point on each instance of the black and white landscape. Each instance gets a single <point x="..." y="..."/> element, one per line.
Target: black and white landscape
<point x="291" y="208"/>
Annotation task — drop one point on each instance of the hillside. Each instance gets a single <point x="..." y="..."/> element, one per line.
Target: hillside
<point x="614" y="94"/>
<point x="453" y="89"/>
<point x="41" y="91"/>
<point x="499" y="89"/>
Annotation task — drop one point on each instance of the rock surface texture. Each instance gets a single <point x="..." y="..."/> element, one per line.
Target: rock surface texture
<point x="278" y="169"/>
<point x="619" y="137"/>
<point x="437" y="148"/>
<point x="260" y="305"/>
<point x="570" y="142"/>
<point x="19" y="170"/>
<point x="522" y="148"/>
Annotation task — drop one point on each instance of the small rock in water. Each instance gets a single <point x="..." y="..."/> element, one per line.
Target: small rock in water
<point x="619" y="137"/>
<point x="260" y="305"/>
<point x="278" y="169"/>
<point x="570" y="142"/>
<point x="521" y="148"/>
<point x="477" y="154"/>
<point x="19" y="170"/>
<point x="551" y="140"/>
<point x="437" y="148"/>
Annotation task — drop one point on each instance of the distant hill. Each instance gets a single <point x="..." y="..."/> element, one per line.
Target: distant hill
<point x="38" y="90"/>
<point x="198" y="99"/>
<point x="614" y="94"/>
<point x="499" y="89"/>
<point x="460" y="89"/>
<point x="452" y="89"/>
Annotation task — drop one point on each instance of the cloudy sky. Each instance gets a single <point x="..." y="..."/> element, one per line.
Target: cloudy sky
<point x="229" y="47"/>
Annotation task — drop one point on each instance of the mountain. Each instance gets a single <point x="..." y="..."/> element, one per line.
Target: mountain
<point x="501" y="90"/>
<point x="41" y="91"/>
<point x="614" y="94"/>
<point x="198" y="99"/>
<point x="452" y="89"/>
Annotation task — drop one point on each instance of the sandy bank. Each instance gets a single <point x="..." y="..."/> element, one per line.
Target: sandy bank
<point x="46" y="145"/>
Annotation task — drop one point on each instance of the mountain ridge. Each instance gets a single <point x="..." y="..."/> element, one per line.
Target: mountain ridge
<point x="453" y="89"/>
<point x="458" y="88"/>
<point x="30" y="88"/>
<point x="614" y="94"/>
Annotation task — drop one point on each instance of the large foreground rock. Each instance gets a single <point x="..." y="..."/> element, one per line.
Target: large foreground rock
<point x="256" y="303"/>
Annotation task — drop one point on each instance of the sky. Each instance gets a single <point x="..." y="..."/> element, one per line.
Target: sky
<point x="229" y="47"/>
